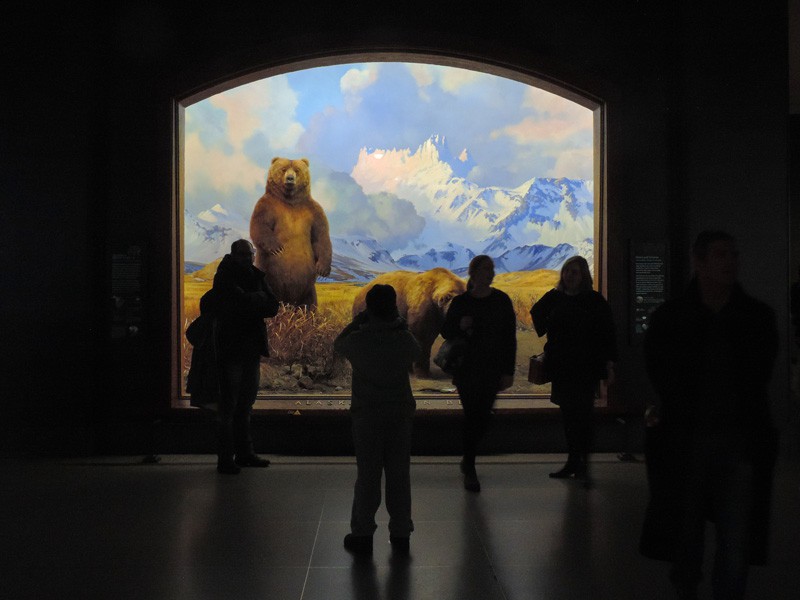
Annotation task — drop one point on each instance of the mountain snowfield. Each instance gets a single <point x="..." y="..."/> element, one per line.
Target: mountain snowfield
<point x="209" y="234"/>
<point x="536" y="225"/>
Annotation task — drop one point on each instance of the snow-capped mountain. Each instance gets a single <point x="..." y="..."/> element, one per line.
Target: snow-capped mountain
<point x="491" y="220"/>
<point x="368" y="251"/>
<point x="383" y="170"/>
<point x="358" y="259"/>
<point x="552" y="211"/>
<point x="536" y="225"/>
<point x="209" y="234"/>
<point x="531" y="258"/>
<point x="451" y="256"/>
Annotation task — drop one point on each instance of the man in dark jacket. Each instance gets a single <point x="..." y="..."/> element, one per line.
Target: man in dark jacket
<point x="241" y="301"/>
<point x="711" y="444"/>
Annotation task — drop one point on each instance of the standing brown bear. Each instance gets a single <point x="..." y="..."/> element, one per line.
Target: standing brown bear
<point x="422" y="300"/>
<point x="290" y="232"/>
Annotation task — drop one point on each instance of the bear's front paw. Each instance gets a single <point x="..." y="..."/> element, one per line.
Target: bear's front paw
<point x="322" y="270"/>
<point x="273" y="251"/>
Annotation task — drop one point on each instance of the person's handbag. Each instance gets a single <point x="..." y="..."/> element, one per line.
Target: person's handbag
<point x="537" y="374"/>
<point x="451" y="354"/>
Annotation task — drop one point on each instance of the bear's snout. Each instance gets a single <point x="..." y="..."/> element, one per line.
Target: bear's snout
<point x="290" y="178"/>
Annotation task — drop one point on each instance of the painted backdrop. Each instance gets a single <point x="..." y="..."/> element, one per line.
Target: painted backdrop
<point x="416" y="166"/>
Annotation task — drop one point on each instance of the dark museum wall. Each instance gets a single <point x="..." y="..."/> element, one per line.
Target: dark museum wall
<point x="696" y="131"/>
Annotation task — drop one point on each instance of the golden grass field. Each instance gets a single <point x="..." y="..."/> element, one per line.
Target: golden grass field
<point x="301" y="342"/>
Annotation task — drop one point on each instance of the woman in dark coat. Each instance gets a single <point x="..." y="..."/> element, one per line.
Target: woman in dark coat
<point x="580" y="351"/>
<point x="485" y="316"/>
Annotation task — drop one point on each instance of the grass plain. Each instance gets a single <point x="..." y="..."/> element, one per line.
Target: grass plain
<point x="301" y="342"/>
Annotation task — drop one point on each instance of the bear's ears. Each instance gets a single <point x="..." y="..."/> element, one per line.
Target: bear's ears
<point x="305" y="160"/>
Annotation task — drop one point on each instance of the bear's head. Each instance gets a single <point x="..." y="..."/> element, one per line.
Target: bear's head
<point x="289" y="179"/>
<point x="446" y="287"/>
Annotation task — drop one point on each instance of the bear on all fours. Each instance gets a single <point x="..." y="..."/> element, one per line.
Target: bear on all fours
<point x="422" y="300"/>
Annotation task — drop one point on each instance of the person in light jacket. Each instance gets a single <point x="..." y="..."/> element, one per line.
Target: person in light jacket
<point x="380" y="348"/>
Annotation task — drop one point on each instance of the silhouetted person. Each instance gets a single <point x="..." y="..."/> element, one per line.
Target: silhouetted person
<point x="711" y="444"/>
<point x="241" y="302"/>
<point x="485" y="316"/>
<point x="380" y="349"/>
<point x="580" y="351"/>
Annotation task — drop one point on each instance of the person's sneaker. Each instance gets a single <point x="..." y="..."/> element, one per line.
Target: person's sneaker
<point x="358" y="544"/>
<point x="228" y="468"/>
<point x="251" y="460"/>
<point x="399" y="544"/>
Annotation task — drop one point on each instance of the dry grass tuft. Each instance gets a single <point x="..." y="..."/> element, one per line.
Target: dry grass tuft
<point x="300" y="336"/>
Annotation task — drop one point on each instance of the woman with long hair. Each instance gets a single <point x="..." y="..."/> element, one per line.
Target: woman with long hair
<point x="485" y="317"/>
<point x="580" y="351"/>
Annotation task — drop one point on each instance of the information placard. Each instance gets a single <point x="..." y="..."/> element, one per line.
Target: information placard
<point x="127" y="275"/>
<point x="648" y="283"/>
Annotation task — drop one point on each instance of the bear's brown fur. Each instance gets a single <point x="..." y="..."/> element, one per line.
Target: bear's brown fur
<point x="423" y="300"/>
<point x="290" y="232"/>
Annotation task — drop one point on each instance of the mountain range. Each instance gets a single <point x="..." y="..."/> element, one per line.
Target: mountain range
<point x="536" y="225"/>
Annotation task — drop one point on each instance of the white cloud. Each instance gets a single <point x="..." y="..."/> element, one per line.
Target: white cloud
<point x="546" y="103"/>
<point x="382" y="216"/>
<point x="422" y="74"/>
<point x="522" y="131"/>
<point x="449" y="79"/>
<point x="452" y="80"/>
<point x="225" y="167"/>
<point x="355" y="80"/>
<point x="573" y="162"/>
<point x="222" y="172"/>
<point x="552" y="119"/>
<point x="265" y="106"/>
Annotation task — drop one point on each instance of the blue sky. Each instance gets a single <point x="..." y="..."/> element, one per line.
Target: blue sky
<point x="328" y="114"/>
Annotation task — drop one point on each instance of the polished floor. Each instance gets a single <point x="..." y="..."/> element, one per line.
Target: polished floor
<point x="119" y="528"/>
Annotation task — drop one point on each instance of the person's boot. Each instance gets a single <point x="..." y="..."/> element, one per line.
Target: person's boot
<point x="358" y="544"/>
<point x="569" y="470"/>
<point x="471" y="483"/>
<point x="582" y="472"/>
<point x="400" y="545"/>
<point x="225" y="462"/>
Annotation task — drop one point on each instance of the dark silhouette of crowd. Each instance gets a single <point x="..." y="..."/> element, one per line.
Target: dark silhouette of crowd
<point x="710" y="444"/>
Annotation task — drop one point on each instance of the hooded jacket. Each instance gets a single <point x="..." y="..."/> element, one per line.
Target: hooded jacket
<point x="381" y="354"/>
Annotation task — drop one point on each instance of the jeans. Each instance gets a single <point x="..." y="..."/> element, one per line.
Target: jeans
<point x="382" y="438"/>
